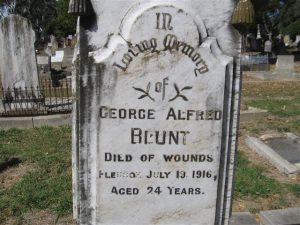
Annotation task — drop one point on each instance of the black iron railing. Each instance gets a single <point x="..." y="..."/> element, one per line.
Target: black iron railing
<point x="48" y="97"/>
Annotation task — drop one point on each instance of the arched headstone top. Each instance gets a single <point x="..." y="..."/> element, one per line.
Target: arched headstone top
<point x="167" y="18"/>
<point x="18" y="67"/>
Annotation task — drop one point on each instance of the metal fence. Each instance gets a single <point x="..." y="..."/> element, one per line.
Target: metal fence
<point x="255" y="62"/>
<point x="50" y="97"/>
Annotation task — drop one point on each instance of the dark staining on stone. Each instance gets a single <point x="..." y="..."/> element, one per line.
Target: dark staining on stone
<point x="108" y="39"/>
<point x="94" y="84"/>
<point x="88" y="21"/>
<point x="171" y="43"/>
<point x="142" y="47"/>
<point x="80" y="7"/>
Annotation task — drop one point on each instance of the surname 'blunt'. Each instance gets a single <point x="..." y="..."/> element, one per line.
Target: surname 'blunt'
<point x="139" y="136"/>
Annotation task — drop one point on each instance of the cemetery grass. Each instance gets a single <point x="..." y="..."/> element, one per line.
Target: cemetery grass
<point x="281" y="99"/>
<point x="40" y="179"/>
<point x="259" y="185"/>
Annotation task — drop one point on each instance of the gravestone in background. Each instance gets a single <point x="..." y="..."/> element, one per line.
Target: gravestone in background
<point x="285" y="63"/>
<point x="297" y="39"/>
<point x="54" y="43"/>
<point x="268" y="46"/>
<point x="156" y="112"/>
<point x="285" y="67"/>
<point x="18" y="66"/>
<point x="286" y="40"/>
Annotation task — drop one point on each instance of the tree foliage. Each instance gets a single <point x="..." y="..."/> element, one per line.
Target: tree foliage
<point x="63" y="23"/>
<point x="278" y="16"/>
<point x="290" y="18"/>
<point x="47" y="16"/>
<point x="267" y="14"/>
<point x="40" y="13"/>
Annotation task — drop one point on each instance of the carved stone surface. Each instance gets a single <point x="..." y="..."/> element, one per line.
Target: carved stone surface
<point x="18" y="67"/>
<point x="156" y="113"/>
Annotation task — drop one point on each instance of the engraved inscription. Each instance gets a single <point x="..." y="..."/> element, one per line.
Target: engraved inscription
<point x="179" y="94"/>
<point x="171" y="44"/>
<point x="163" y="21"/>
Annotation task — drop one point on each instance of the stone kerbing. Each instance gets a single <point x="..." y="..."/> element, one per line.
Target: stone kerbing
<point x="32" y="122"/>
<point x="274" y="158"/>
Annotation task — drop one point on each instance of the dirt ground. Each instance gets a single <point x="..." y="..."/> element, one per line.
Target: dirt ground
<point x="254" y="89"/>
<point x="41" y="218"/>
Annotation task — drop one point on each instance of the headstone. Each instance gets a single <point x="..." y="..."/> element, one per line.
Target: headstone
<point x="296" y="43"/>
<point x="42" y="60"/>
<point x="18" y="68"/>
<point x="68" y="59"/>
<point x="268" y="46"/>
<point x="43" y="65"/>
<point x="54" y="42"/>
<point x="50" y="50"/>
<point x="297" y="39"/>
<point x="258" y="32"/>
<point x="286" y="40"/>
<point x="62" y="42"/>
<point x="73" y="41"/>
<point x="285" y="63"/>
<point x="285" y="68"/>
<point x="156" y="113"/>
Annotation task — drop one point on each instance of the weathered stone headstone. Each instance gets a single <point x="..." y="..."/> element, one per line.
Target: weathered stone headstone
<point x="54" y="43"/>
<point x="286" y="40"/>
<point x="258" y="36"/>
<point x="156" y="113"/>
<point x="285" y="63"/>
<point x="268" y="46"/>
<point x="297" y="39"/>
<point x="285" y="68"/>
<point x="18" y="66"/>
<point x="43" y="65"/>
